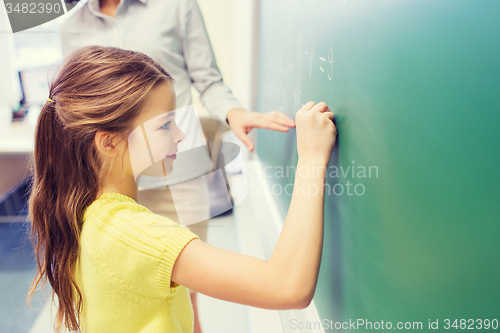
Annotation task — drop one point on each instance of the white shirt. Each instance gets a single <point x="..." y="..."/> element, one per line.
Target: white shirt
<point x="173" y="33"/>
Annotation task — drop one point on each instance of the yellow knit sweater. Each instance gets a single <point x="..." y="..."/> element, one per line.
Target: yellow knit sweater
<point x="124" y="268"/>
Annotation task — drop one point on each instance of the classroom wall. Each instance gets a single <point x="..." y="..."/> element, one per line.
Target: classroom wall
<point x="10" y="91"/>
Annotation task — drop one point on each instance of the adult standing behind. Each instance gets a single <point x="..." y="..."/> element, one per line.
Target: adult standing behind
<point x="173" y="33"/>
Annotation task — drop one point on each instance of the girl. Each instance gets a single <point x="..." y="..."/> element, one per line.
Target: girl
<point x="112" y="271"/>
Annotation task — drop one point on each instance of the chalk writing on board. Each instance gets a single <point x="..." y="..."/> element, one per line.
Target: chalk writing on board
<point x="329" y="71"/>
<point x="321" y="68"/>
<point x="320" y="64"/>
<point x="310" y="62"/>
<point x="330" y="60"/>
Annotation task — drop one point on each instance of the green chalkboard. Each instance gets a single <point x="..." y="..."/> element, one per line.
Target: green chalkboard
<point x="413" y="234"/>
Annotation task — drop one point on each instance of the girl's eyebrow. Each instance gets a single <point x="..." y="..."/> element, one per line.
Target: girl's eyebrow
<point x="165" y="116"/>
<point x="169" y="114"/>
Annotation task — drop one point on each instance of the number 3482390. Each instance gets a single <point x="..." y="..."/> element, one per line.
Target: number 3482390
<point x="33" y="8"/>
<point x="471" y="324"/>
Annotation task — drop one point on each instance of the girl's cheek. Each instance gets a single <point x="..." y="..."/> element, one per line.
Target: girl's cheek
<point x="160" y="144"/>
<point x="161" y="137"/>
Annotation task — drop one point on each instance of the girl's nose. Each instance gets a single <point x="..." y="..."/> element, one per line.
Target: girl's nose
<point x="179" y="136"/>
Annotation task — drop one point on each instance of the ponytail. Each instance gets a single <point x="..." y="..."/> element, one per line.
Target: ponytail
<point x="54" y="204"/>
<point x="98" y="88"/>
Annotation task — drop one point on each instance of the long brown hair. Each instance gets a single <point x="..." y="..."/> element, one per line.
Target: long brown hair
<point x="98" y="88"/>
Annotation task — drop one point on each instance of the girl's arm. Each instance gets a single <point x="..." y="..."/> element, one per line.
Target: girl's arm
<point x="288" y="279"/>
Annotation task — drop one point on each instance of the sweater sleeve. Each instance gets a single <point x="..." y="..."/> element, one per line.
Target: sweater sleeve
<point x="138" y="251"/>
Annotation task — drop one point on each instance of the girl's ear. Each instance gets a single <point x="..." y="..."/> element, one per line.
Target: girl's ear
<point x="104" y="142"/>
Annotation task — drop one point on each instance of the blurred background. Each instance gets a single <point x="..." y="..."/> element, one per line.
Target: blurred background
<point x="415" y="92"/>
<point x="27" y="60"/>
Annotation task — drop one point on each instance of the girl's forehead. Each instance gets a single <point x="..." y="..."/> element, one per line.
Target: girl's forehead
<point x="160" y="100"/>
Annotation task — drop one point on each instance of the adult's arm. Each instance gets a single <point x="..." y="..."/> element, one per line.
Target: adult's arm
<point x="201" y="64"/>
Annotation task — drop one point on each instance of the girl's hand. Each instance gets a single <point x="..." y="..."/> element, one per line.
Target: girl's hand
<point x="316" y="132"/>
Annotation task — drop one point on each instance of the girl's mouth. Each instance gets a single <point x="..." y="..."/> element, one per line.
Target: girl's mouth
<point x="173" y="156"/>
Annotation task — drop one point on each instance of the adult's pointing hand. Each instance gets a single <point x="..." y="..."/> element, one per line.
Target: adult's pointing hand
<point x="242" y="121"/>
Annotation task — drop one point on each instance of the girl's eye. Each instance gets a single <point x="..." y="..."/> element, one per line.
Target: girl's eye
<point x="166" y="125"/>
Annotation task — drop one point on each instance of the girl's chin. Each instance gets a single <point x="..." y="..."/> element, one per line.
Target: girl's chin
<point x="160" y="168"/>
<point x="169" y="168"/>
